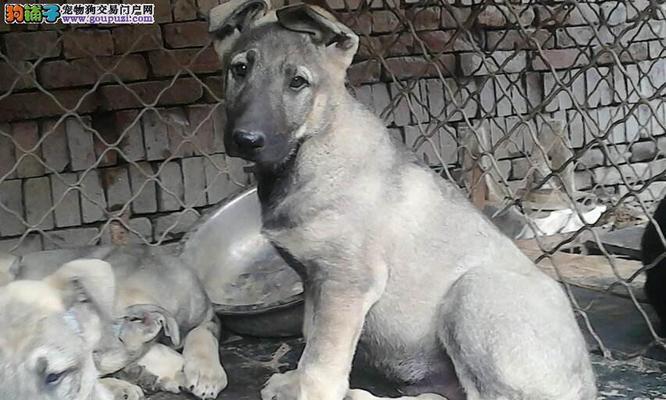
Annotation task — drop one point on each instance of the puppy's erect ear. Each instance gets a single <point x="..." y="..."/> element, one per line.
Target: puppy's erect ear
<point x="323" y="27"/>
<point x="227" y="21"/>
<point x="148" y="320"/>
<point x="87" y="288"/>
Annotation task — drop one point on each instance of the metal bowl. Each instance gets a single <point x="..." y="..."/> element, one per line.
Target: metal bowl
<point x="253" y="290"/>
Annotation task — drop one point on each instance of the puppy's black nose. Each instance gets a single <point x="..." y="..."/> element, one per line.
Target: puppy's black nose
<point x="248" y="140"/>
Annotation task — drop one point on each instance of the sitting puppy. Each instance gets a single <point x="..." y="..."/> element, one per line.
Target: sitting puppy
<point x="157" y="302"/>
<point x="398" y="266"/>
<point x="653" y="255"/>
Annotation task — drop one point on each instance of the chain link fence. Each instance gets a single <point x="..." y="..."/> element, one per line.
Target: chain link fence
<point x="549" y="113"/>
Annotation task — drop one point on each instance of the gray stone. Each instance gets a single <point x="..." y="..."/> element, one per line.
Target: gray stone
<point x="141" y="231"/>
<point x="401" y="113"/>
<point x="599" y="87"/>
<point x="80" y="143"/>
<point x="129" y="126"/>
<point x="643" y="151"/>
<point x="28" y="153"/>
<point x="38" y="203"/>
<point x="174" y="225"/>
<point x="170" y="194"/>
<point x="68" y="238"/>
<point x="54" y="145"/>
<point x="154" y="135"/>
<point x="381" y="101"/>
<point x="22" y="245"/>
<point x="520" y="167"/>
<point x="498" y="62"/>
<point x="11" y="197"/>
<point x="533" y="90"/>
<point x="194" y="181"/>
<point x="118" y="192"/>
<point x="7" y="158"/>
<point x="66" y="200"/>
<point x="436" y="102"/>
<point x="218" y="181"/>
<point x="93" y="202"/>
<point x="583" y="180"/>
<point x="143" y="188"/>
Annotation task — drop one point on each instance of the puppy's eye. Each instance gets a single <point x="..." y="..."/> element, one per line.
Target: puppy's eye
<point x="54" y="378"/>
<point x="298" y="82"/>
<point x="239" y="69"/>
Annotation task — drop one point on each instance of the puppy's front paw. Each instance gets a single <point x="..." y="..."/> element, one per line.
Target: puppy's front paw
<point x="204" y="377"/>
<point x="284" y="386"/>
<point x="122" y="390"/>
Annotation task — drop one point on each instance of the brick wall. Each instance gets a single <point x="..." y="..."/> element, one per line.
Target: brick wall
<point x="113" y="125"/>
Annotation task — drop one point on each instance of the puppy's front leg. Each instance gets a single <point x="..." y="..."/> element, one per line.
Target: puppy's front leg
<point x="339" y="309"/>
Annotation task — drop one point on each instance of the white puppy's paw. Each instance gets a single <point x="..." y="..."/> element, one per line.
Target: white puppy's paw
<point x="204" y="377"/>
<point x="285" y="386"/>
<point x="304" y="385"/>
<point x="122" y="390"/>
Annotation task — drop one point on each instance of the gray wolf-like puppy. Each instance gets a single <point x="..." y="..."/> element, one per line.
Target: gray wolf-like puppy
<point x="398" y="266"/>
<point x="156" y="301"/>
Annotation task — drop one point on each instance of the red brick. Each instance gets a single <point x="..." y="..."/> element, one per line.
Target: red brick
<point x="204" y="6"/>
<point x="441" y="41"/>
<point x="359" y="23"/>
<point x="418" y="67"/>
<point x="37" y="104"/>
<point x="454" y="17"/>
<point x="136" y="38"/>
<point x="384" y="22"/>
<point x="186" y="34"/>
<point x="183" y="91"/>
<point x="559" y="59"/>
<point x="168" y="63"/>
<point x="86" y="71"/>
<point x="32" y="45"/>
<point x="214" y="89"/>
<point x="425" y="18"/>
<point x="26" y="137"/>
<point x="364" y="72"/>
<point x="385" y="46"/>
<point x="184" y="10"/>
<point x="16" y="76"/>
<point x="87" y="42"/>
<point x="162" y="9"/>
<point x="517" y="39"/>
<point x="502" y="16"/>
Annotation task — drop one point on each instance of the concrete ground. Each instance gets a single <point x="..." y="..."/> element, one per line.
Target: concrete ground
<point x="249" y="362"/>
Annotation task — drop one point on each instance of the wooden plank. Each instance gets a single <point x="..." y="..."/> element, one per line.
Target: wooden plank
<point x="626" y="241"/>
<point x="591" y="272"/>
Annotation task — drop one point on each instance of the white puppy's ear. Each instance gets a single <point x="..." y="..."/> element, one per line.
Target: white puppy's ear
<point x="148" y="320"/>
<point x="87" y="288"/>
<point x="227" y="21"/>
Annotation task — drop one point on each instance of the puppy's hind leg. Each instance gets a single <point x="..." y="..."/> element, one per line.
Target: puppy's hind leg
<point x="204" y="375"/>
<point x="358" y="394"/>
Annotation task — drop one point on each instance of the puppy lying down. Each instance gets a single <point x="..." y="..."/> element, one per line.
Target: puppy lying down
<point x="103" y="311"/>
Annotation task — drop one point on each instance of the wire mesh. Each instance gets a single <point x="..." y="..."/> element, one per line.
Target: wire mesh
<point x="550" y="115"/>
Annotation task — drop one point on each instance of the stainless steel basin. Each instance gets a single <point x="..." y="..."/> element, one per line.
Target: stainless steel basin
<point x="250" y="285"/>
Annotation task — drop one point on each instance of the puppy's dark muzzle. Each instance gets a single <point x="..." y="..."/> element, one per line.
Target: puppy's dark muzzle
<point x="248" y="142"/>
